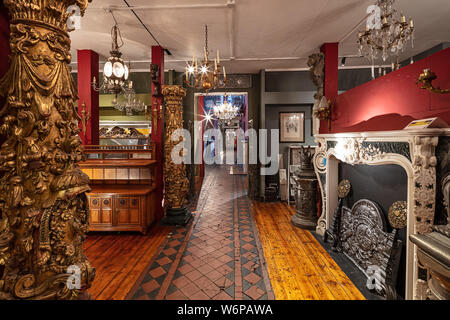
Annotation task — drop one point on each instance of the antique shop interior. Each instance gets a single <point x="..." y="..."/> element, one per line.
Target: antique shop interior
<point x="225" y="150"/>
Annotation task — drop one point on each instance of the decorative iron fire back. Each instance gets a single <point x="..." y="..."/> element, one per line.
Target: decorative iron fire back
<point x="364" y="238"/>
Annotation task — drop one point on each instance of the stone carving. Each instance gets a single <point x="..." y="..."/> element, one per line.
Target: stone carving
<point x="352" y="151"/>
<point x="416" y="153"/>
<point x="365" y="241"/>
<point x="320" y="166"/>
<point x="433" y="251"/>
<point x="316" y="63"/>
<point x="43" y="207"/>
<point x="424" y="166"/>
<point x="442" y="169"/>
<point x="176" y="182"/>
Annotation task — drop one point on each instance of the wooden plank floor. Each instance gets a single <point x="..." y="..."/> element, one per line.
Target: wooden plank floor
<point x="299" y="267"/>
<point x="119" y="259"/>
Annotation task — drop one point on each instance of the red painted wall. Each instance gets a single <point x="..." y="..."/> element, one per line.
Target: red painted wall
<point x="392" y="101"/>
<point x="87" y="70"/>
<point x="330" y="84"/>
<point x="157" y="133"/>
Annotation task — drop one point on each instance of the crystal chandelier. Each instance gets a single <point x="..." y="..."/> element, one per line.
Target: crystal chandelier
<point x="115" y="71"/>
<point x="389" y="34"/>
<point x="225" y="111"/>
<point x="206" y="76"/>
<point x="131" y="104"/>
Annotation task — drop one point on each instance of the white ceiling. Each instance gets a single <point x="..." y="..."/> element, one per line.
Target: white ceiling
<point x="264" y="34"/>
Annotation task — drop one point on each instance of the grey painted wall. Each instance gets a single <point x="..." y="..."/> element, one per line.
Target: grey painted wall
<point x="272" y="122"/>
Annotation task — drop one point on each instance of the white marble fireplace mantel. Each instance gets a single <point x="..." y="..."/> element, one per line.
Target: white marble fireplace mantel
<point x="413" y="150"/>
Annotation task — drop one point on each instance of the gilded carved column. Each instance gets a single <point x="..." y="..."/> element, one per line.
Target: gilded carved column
<point x="43" y="207"/>
<point x="176" y="182"/>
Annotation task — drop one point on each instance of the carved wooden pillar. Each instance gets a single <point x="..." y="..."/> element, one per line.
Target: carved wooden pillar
<point x="43" y="206"/>
<point x="176" y="182"/>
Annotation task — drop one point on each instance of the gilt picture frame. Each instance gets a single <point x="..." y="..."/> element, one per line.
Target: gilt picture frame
<point x="292" y="127"/>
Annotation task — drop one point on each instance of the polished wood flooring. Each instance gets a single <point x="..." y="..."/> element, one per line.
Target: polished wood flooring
<point x="299" y="267"/>
<point x="119" y="260"/>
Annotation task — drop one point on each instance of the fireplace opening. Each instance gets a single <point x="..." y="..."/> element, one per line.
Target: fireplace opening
<point x="384" y="185"/>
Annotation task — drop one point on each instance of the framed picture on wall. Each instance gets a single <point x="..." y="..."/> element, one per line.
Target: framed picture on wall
<point x="292" y="127"/>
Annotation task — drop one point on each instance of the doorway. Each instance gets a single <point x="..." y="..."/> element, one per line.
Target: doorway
<point x="204" y="107"/>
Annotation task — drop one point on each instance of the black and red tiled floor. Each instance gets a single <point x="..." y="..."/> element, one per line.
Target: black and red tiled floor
<point x="216" y="256"/>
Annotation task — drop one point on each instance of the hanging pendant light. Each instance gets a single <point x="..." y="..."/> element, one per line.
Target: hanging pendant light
<point x="206" y="75"/>
<point x="115" y="71"/>
<point x="389" y="36"/>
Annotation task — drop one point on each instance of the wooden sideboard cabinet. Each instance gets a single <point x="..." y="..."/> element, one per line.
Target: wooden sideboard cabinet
<point x="121" y="209"/>
<point x="122" y="196"/>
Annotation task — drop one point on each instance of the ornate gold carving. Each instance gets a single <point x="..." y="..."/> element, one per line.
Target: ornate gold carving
<point x="398" y="214"/>
<point x="43" y="207"/>
<point x="85" y="117"/>
<point x="426" y="78"/>
<point x="344" y="188"/>
<point x="176" y="182"/>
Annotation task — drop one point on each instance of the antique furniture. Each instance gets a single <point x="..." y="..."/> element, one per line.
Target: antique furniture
<point x="42" y="191"/>
<point x="294" y="165"/>
<point x="176" y="182"/>
<point x="122" y="187"/>
<point x="413" y="150"/>
<point x="433" y="251"/>
<point x="305" y="194"/>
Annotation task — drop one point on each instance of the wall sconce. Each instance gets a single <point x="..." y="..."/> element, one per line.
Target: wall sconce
<point x="323" y="111"/>
<point x="426" y="78"/>
<point x="85" y="117"/>
<point x="155" y="119"/>
<point x="154" y="71"/>
<point x="160" y="114"/>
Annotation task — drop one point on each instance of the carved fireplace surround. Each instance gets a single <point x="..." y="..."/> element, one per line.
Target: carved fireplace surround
<point x="413" y="150"/>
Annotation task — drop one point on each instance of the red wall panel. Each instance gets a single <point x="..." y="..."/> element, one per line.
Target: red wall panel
<point x="88" y="69"/>
<point x="392" y="101"/>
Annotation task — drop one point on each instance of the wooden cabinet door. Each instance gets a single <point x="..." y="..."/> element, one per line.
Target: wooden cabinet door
<point x="127" y="208"/>
<point x="101" y="210"/>
<point x="94" y="209"/>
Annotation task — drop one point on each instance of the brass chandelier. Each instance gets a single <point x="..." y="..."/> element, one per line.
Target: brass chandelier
<point x="389" y="34"/>
<point x="115" y="71"/>
<point x="206" y="76"/>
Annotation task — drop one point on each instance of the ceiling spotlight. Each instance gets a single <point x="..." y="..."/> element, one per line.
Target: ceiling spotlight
<point x="343" y="61"/>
